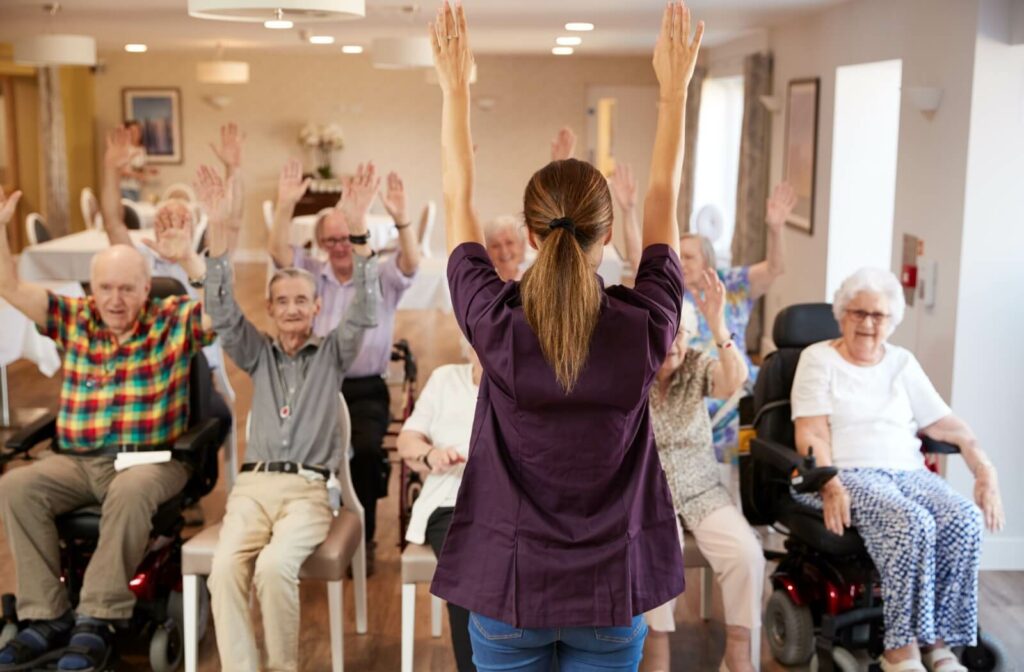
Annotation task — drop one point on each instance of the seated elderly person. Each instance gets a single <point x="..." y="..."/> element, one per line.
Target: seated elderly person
<point x="682" y="432"/>
<point x="435" y="441"/>
<point x="860" y="403"/>
<point x="126" y="367"/>
<point x="505" y="237"/>
<point x="278" y="511"/>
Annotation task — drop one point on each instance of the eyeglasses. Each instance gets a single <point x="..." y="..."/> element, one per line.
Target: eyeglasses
<point x="334" y="242"/>
<point x="862" y="315"/>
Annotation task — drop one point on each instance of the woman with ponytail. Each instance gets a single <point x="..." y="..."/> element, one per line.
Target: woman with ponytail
<point x="564" y="532"/>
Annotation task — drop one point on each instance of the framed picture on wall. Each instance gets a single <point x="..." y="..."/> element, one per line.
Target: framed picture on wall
<point x="801" y="149"/>
<point x="158" y="111"/>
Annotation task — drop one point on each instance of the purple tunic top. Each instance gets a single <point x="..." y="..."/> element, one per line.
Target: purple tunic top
<point x="564" y="517"/>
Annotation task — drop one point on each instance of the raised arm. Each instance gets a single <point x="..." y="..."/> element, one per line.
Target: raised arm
<point x="730" y="371"/>
<point x="675" y="56"/>
<point x="454" y="62"/>
<point x="290" y="188"/>
<point x="623" y="187"/>
<point x="229" y="151"/>
<point x="357" y="195"/>
<point x="564" y="145"/>
<point x="31" y="300"/>
<point x="763" y="274"/>
<point x="116" y="159"/>
<point x="394" y="201"/>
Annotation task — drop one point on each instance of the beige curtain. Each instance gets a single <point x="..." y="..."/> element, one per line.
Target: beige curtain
<point x="748" y="242"/>
<point x="690" y="146"/>
<point x="54" y="151"/>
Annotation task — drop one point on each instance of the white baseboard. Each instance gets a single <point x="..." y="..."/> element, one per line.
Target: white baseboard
<point x="250" y="256"/>
<point x="1002" y="553"/>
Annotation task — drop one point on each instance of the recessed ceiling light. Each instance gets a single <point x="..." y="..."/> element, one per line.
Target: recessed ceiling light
<point x="561" y="51"/>
<point x="278" y="24"/>
<point x="321" y="39"/>
<point x="579" y="27"/>
<point x="351" y="49"/>
<point x="568" y="41"/>
<point x="135" y="48"/>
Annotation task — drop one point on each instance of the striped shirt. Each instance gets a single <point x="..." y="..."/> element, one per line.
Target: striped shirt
<point x="132" y="392"/>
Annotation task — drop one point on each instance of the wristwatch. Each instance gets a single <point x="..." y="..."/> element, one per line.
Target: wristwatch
<point x="726" y="342"/>
<point x="199" y="282"/>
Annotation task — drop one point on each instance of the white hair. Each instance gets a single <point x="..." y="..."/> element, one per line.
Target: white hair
<point x="688" y="319"/>
<point x="290" y="272"/>
<point x="875" y="281"/>
<point x="502" y="223"/>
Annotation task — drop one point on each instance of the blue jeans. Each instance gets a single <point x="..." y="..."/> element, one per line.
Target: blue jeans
<point x="498" y="646"/>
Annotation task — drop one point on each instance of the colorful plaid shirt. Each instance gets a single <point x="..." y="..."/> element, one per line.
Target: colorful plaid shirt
<point x="132" y="392"/>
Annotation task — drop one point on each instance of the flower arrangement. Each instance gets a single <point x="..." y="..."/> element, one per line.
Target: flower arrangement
<point x="325" y="139"/>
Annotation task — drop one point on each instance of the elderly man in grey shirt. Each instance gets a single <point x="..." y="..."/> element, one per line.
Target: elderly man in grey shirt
<point x="278" y="511"/>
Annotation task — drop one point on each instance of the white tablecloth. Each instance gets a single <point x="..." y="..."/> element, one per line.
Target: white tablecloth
<point x="19" y="338"/>
<point x="147" y="213"/>
<point x="429" y="289"/>
<point x="382" y="230"/>
<point x="68" y="257"/>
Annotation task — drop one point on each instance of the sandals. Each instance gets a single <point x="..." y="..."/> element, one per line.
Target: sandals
<point x="911" y="665"/>
<point x="941" y="654"/>
<point x="29" y="658"/>
<point x="99" y="657"/>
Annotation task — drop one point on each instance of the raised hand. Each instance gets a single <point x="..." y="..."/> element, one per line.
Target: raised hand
<point x="780" y="205"/>
<point x="173" y="244"/>
<point x="213" y="194"/>
<point x="230" y="149"/>
<point x="453" y="58"/>
<point x="564" y="145"/>
<point x="8" y="204"/>
<point x="675" y="54"/>
<point x="710" y="299"/>
<point x="119" y="152"/>
<point x="357" y="194"/>
<point x="623" y="186"/>
<point x="290" y="185"/>
<point x="393" y="199"/>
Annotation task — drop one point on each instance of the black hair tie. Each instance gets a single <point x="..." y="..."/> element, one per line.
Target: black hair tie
<point x="563" y="223"/>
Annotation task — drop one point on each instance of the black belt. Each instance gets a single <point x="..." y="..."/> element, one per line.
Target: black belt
<point x="110" y="451"/>
<point x="284" y="468"/>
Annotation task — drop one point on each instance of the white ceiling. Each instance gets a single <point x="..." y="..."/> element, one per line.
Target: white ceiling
<point x="498" y="26"/>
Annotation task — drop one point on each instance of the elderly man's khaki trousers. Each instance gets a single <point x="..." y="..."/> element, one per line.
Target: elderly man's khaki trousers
<point x="273" y="522"/>
<point x="32" y="496"/>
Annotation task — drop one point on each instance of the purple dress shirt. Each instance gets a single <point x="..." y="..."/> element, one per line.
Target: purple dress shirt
<point x="564" y="517"/>
<point x="336" y="297"/>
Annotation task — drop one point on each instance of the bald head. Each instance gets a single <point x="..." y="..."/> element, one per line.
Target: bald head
<point x="122" y="261"/>
<point x="120" y="281"/>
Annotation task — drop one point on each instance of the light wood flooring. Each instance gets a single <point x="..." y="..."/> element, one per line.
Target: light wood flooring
<point x="434" y="337"/>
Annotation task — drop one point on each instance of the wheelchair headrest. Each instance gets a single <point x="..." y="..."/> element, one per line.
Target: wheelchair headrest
<point x="804" y="324"/>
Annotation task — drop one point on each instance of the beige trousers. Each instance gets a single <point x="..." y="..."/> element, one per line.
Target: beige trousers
<point x="32" y="496"/>
<point x="732" y="549"/>
<point x="273" y="522"/>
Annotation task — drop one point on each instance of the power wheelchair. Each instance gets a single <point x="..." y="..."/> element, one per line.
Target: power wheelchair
<point x="826" y="603"/>
<point x="157" y="585"/>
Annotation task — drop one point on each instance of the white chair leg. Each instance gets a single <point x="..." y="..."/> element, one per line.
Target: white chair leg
<point x="706" y="577"/>
<point x="755" y="648"/>
<point x="359" y="581"/>
<point x="408" y="624"/>
<point x="435" y="616"/>
<point x="335" y="595"/>
<point x="190" y="586"/>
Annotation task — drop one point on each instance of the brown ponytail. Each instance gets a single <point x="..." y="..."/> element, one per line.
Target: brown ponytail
<point x="560" y="292"/>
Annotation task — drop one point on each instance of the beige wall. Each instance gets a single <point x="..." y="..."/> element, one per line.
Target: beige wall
<point x="392" y="117"/>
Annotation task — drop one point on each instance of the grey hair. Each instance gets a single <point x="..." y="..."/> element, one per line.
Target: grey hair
<point x="503" y="222"/>
<point x="290" y="272"/>
<point x="876" y="281"/>
<point x="707" y="248"/>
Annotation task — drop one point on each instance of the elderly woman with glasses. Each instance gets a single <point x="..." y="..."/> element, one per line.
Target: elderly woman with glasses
<point x="860" y="403"/>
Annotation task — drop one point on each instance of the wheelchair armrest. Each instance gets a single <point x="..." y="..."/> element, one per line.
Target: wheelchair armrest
<point x="778" y="456"/>
<point x="930" y="445"/>
<point x="204" y="435"/>
<point x="32" y="434"/>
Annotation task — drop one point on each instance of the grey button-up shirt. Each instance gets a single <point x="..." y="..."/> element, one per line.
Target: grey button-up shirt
<point x="306" y="383"/>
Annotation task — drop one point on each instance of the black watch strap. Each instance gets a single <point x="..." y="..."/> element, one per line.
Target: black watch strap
<point x="361" y="239"/>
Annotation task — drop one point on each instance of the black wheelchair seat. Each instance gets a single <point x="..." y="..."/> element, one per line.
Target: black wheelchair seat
<point x="84" y="523"/>
<point x="807" y="524"/>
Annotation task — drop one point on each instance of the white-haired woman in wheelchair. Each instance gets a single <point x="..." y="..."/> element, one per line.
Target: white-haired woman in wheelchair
<point x="859" y="403"/>
<point x="682" y="432"/>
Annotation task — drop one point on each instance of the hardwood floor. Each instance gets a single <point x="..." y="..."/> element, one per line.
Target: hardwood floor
<point x="435" y="340"/>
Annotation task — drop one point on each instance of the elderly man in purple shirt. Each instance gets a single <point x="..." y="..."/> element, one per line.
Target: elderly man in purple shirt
<point x="364" y="388"/>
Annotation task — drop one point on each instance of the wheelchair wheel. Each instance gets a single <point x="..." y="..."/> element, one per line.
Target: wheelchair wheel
<point x="988" y="655"/>
<point x="843" y="660"/>
<point x="790" y="630"/>
<point x="166" y="647"/>
<point x="176" y="609"/>
<point x="7" y="633"/>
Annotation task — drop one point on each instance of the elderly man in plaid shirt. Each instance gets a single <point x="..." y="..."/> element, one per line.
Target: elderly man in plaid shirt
<point x="126" y="367"/>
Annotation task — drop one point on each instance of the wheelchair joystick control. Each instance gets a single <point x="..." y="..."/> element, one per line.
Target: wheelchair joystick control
<point x="808" y="476"/>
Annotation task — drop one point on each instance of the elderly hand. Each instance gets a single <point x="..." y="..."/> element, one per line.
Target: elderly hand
<point x="444" y="459"/>
<point x="230" y="150"/>
<point x="213" y="195"/>
<point x="357" y="194"/>
<point x="393" y="199"/>
<point x="120" y="150"/>
<point x="453" y="58"/>
<point x="174" y="244"/>
<point x="710" y="299"/>
<point x="780" y="204"/>
<point x="8" y="204"/>
<point x="623" y="186"/>
<point x="836" y="501"/>
<point x="564" y="145"/>
<point x="986" y="496"/>
<point x="675" y="54"/>
<point x="290" y="185"/>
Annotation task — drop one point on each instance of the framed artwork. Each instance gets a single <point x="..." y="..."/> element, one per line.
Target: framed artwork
<point x="801" y="149"/>
<point x="159" y="113"/>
